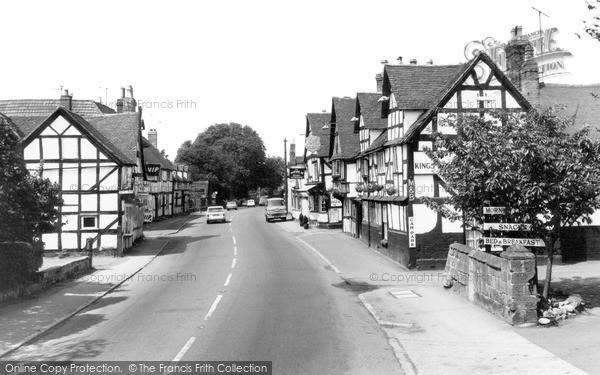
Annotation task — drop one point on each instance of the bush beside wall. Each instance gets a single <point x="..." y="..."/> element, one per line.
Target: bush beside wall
<point x="19" y="261"/>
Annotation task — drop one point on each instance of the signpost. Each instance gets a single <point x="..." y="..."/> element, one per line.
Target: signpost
<point x="498" y="212"/>
<point x="412" y="237"/>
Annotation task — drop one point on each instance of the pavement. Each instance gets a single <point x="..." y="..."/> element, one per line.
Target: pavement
<point x="433" y="331"/>
<point x="24" y="320"/>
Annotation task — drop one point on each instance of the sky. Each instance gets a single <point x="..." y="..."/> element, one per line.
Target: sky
<point x="264" y="64"/>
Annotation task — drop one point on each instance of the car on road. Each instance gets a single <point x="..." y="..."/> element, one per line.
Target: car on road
<point x="215" y="213"/>
<point x="231" y="206"/>
<point x="262" y="201"/>
<point x="275" y="209"/>
<point x="250" y="203"/>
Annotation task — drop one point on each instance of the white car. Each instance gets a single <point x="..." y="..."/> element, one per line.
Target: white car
<point x="215" y="213"/>
<point x="250" y="203"/>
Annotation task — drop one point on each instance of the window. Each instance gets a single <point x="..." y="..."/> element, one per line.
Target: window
<point x="89" y="222"/>
<point x="323" y="203"/>
<point x="336" y="168"/>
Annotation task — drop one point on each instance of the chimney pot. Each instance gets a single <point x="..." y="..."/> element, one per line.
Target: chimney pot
<point x="153" y="138"/>
<point x="66" y="100"/>
<point x="399" y="60"/>
<point x="430" y="62"/>
<point x="379" y="80"/>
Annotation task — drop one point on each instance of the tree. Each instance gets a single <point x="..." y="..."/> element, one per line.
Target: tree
<point x="230" y="156"/>
<point x="526" y="162"/>
<point x="592" y="27"/>
<point x="273" y="174"/>
<point x="29" y="203"/>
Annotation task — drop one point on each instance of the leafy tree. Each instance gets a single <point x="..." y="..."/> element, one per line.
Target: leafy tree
<point x="526" y="162"/>
<point x="29" y="202"/>
<point x="273" y="174"/>
<point x="230" y="156"/>
<point x="592" y="27"/>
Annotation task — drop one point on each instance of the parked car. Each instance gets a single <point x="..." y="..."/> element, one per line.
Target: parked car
<point x="262" y="201"/>
<point x="215" y="213"/>
<point x="231" y="206"/>
<point x="250" y="203"/>
<point x="275" y="209"/>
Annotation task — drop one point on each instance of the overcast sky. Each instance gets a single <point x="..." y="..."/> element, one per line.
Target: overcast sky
<point x="259" y="63"/>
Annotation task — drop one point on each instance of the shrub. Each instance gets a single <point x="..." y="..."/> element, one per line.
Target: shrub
<point x="19" y="261"/>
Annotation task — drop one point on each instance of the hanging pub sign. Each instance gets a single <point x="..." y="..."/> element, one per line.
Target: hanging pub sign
<point x="152" y="169"/>
<point x="296" y="174"/>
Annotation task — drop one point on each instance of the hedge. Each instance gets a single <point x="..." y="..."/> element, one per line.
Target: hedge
<point x="19" y="261"/>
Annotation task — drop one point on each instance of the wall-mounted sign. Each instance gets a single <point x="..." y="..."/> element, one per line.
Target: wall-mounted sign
<point x="422" y="163"/>
<point x="507" y="226"/>
<point x="412" y="236"/>
<point x="411" y="189"/>
<point x="503" y="241"/>
<point x="335" y="202"/>
<point x="549" y="57"/>
<point x="153" y="169"/>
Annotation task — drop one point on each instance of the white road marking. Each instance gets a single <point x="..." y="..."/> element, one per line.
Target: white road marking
<point x="213" y="307"/>
<point x="228" y="280"/>
<point x="334" y="268"/>
<point x="184" y="349"/>
<point x="234" y="240"/>
<point x="85" y="295"/>
<point x="235" y="250"/>
<point x="233" y="263"/>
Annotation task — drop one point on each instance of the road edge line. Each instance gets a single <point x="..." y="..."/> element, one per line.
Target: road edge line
<point x="334" y="268"/>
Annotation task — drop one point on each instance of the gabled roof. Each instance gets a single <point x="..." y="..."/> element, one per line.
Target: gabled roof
<point x="368" y="106"/>
<point x="448" y="89"/>
<point x="153" y="156"/>
<point x="122" y="130"/>
<point x="318" y="124"/>
<point x="343" y="110"/>
<point x="27" y="124"/>
<point x="579" y="101"/>
<point x="417" y="86"/>
<point x="45" y="107"/>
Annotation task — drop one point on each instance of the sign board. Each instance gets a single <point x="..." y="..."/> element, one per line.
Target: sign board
<point x="296" y="174"/>
<point x="549" y="57"/>
<point x="411" y="189"/>
<point x="312" y="143"/>
<point x="148" y="216"/>
<point x="335" y="202"/>
<point x="334" y="216"/>
<point x="412" y="236"/>
<point x="153" y="169"/>
<point x="507" y="226"/>
<point x="503" y="241"/>
<point x="422" y="163"/>
<point x="494" y="210"/>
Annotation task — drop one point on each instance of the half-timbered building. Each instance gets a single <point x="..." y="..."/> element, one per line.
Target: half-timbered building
<point x="417" y="100"/>
<point x="344" y="147"/>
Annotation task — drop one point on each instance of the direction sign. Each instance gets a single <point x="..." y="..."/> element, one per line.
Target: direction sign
<point x="502" y="241"/>
<point x="494" y="210"/>
<point x="507" y="226"/>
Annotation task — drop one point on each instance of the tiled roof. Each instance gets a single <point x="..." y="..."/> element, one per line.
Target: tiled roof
<point x="343" y="110"/>
<point x="417" y="86"/>
<point x="370" y="109"/>
<point x="377" y="143"/>
<point x="27" y="124"/>
<point x="579" y="104"/>
<point x="153" y="156"/>
<point x="45" y="107"/>
<point x="122" y="130"/>
<point x="318" y="123"/>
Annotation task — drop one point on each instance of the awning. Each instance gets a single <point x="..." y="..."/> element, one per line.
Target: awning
<point x="304" y="191"/>
<point x="379" y="198"/>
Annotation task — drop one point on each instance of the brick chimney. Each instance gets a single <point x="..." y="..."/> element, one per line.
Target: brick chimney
<point x="153" y="138"/>
<point x="292" y="154"/>
<point x="66" y="100"/>
<point x="127" y="102"/>
<point x="521" y="69"/>
<point x="120" y="100"/>
<point x="379" y="80"/>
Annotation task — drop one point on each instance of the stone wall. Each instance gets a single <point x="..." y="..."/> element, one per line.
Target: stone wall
<point x="500" y="285"/>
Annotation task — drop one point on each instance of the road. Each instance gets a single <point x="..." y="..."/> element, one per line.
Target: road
<point x="241" y="290"/>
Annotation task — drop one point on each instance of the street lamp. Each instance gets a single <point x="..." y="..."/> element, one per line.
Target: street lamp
<point x="285" y="174"/>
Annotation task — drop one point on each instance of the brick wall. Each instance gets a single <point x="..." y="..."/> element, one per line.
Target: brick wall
<point x="500" y="285"/>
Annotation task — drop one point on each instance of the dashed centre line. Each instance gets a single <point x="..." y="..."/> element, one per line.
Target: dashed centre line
<point x="235" y="250"/>
<point x="235" y="243"/>
<point x="228" y="280"/>
<point x="213" y="307"/>
<point x="184" y="349"/>
<point x="233" y="263"/>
